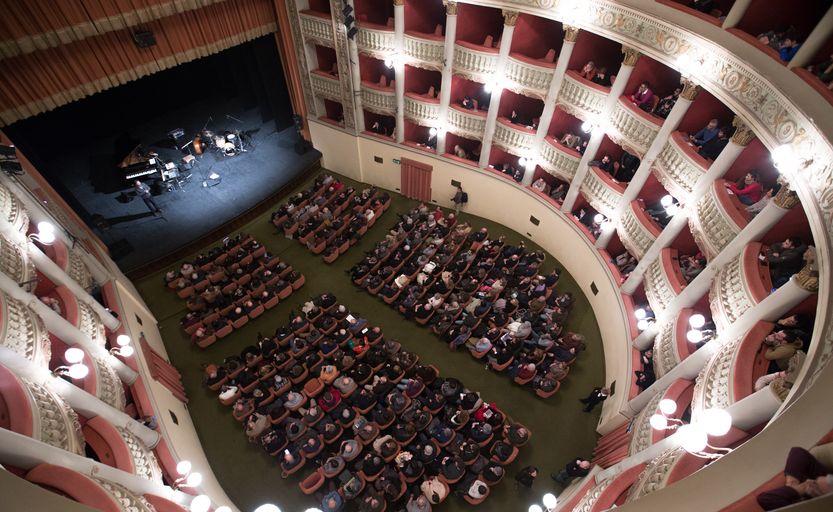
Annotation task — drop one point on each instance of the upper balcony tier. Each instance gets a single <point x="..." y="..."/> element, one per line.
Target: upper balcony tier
<point x="379" y="99"/>
<point x="514" y="138"/>
<point x="466" y="123"/>
<point x="664" y="280"/>
<point x="423" y="110"/>
<point x="375" y="40"/>
<point x="602" y="191"/>
<point x="719" y="216"/>
<point x="559" y="160"/>
<point x="739" y="285"/>
<point x="317" y="27"/>
<point x="325" y="85"/>
<point x="424" y="50"/>
<point x="527" y="76"/>
<point x="678" y="167"/>
<point x="475" y="62"/>
<point x="632" y="128"/>
<point x="637" y="229"/>
<point x="671" y="346"/>
<point x="581" y="98"/>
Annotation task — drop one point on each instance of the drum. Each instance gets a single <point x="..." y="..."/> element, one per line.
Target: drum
<point x="230" y="137"/>
<point x="229" y="149"/>
<point x="219" y="141"/>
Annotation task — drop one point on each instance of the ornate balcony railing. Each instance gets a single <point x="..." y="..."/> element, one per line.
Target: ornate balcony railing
<point x="513" y="138"/>
<point x="739" y="285"/>
<point x="23" y="331"/>
<point x="317" y="27"/>
<point x="671" y="346"/>
<point x="12" y="210"/>
<point x="474" y="62"/>
<point x="466" y="123"/>
<point x="632" y="128"/>
<point x="422" y="110"/>
<point x="637" y="229"/>
<point x="663" y="280"/>
<point x="656" y="474"/>
<point x="581" y="98"/>
<point x="601" y="191"/>
<point x="14" y="262"/>
<point x="678" y="167"/>
<point x="424" y="50"/>
<point x="558" y="160"/>
<point x="325" y="85"/>
<point x="719" y="216"/>
<point x="529" y="77"/>
<point x="381" y="100"/>
<point x="375" y="40"/>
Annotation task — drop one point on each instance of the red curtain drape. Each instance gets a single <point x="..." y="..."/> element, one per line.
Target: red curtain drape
<point x="42" y="80"/>
<point x="163" y="371"/>
<point x="416" y="180"/>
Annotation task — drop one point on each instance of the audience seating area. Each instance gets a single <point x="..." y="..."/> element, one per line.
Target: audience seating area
<point x="329" y="395"/>
<point x="475" y="293"/>
<point x="230" y="285"/>
<point x="329" y="218"/>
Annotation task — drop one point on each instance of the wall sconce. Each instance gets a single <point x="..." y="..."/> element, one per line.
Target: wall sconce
<point x="268" y="507"/>
<point x="550" y="501"/>
<point x="74" y="368"/>
<point x="124" y="348"/>
<point x="694" y="437"/>
<point x="188" y="479"/>
<point x="45" y="234"/>
<point x="787" y="162"/>
<point x="200" y="503"/>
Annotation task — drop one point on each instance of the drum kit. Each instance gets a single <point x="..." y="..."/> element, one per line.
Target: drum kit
<point x="227" y="144"/>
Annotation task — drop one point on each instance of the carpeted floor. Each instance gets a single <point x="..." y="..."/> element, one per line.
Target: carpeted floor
<point x="250" y="477"/>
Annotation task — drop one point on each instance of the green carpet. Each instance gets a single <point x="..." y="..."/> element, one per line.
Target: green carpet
<point x="250" y="477"/>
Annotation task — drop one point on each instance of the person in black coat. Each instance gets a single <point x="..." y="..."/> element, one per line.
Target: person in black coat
<point x="597" y="396"/>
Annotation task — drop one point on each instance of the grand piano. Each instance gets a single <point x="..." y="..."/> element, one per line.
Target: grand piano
<point x="140" y="163"/>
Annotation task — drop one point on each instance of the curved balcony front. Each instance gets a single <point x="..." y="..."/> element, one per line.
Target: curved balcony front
<point x="71" y="262"/>
<point x="730" y="374"/>
<point x="664" y="280"/>
<point x="581" y="98"/>
<point x="317" y="27"/>
<point x="678" y="167"/>
<point x="643" y="434"/>
<point x="325" y="85"/>
<point x="466" y="123"/>
<point x="739" y="285"/>
<point x="602" y="191"/>
<point x="22" y="331"/>
<point x="424" y="50"/>
<point x="375" y="40"/>
<point x="671" y="346"/>
<point x="513" y="138"/>
<point x="422" y="110"/>
<point x="530" y="77"/>
<point x="719" y="216"/>
<point x="671" y="466"/>
<point x="15" y="263"/>
<point x="637" y="230"/>
<point x="632" y="128"/>
<point x="117" y="447"/>
<point x="559" y="160"/>
<point x="378" y="99"/>
<point x="12" y="210"/>
<point x="475" y="62"/>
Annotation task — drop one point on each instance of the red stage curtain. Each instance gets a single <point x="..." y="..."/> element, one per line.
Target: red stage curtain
<point x="40" y="81"/>
<point x="416" y="180"/>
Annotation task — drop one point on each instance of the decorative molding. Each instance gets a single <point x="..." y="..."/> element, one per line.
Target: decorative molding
<point x="808" y="277"/>
<point x="588" y="501"/>
<point x="712" y="227"/>
<point x="729" y="297"/>
<point x="785" y="198"/>
<point x="478" y="66"/>
<point x="145" y="463"/>
<point x="126" y="500"/>
<point x="570" y="33"/>
<point x="666" y="355"/>
<point x="515" y="141"/>
<point x="557" y="161"/>
<point x="690" y="89"/>
<point x="465" y="125"/>
<point x="713" y="388"/>
<point x="634" y="235"/>
<point x="424" y="53"/>
<point x="743" y="132"/>
<point x="15" y="263"/>
<point x="655" y="476"/>
<point x="676" y="170"/>
<point x="451" y="8"/>
<point x="379" y="102"/>
<point x="599" y="194"/>
<point x="109" y="388"/>
<point x="316" y="29"/>
<point x="579" y="99"/>
<point x="423" y="113"/>
<point x="631" y="56"/>
<point x="510" y="18"/>
<point x="399" y="3"/>
<point x="658" y="289"/>
<point x="642" y="431"/>
<point x="23" y="331"/>
<point x="12" y="210"/>
<point x="56" y="424"/>
<point x="631" y="129"/>
<point x="90" y="324"/>
<point x="528" y="79"/>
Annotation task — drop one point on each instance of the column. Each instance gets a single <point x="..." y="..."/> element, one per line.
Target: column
<point x="674" y="227"/>
<point x="814" y="42"/>
<point x="355" y="74"/>
<point x="509" y="20"/>
<point x="570" y="36"/>
<point x="616" y="90"/>
<point x="687" y="96"/>
<point x="399" y="66"/>
<point x="736" y="13"/>
<point x="448" y="65"/>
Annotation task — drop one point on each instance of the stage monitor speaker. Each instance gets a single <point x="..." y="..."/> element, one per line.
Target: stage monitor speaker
<point x="144" y="39"/>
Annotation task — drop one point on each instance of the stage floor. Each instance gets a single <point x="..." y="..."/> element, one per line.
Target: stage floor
<point x="136" y="236"/>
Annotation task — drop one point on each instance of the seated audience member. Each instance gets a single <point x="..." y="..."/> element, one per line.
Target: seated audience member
<point x="704" y="6"/>
<point x="588" y="71"/>
<point x="461" y="153"/>
<point x="434" y="490"/>
<point x="705" y="134"/>
<point x="667" y="103"/>
<point x="643" y="97"/>
<point x="824" y="71"/>
<point x="576" y="468"/>
<point x="785" y="259"/>
<point x="521" y="119"/>
<point x="418" y="504"/>
<point x="806" y="478"/>
<point x="541" y="186"/>
<point x="748" y="190"/>
<point x="625" y="262"/>
<point x="332" y="502"/>
<point x="559" y="192"/>
<point x="469" y="103"/>
<point x="602" y="78"/>
<point x="712" y="149"/>
<point x="788" y="48"/>
<point x="691" y="266"/>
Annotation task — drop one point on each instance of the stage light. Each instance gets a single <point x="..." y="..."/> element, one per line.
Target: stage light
<point x="598" y="218"/>
<point x="268" y="507"/>
<point x="214" y="176"/>
<point x="550" y="501"/>
<point x="697" y="321"/>
<point x="73" y="355"/>
<point x="667" y="406"/>
<point x="694" y="336"/>
<point x="78" y="371"/>
<point x="122" y="340"/>
<point x="640" y="314"/>
<point x="658" y="422"/>
<point x="666" y="200"/>
<point x="716" y="422"/>
<point x="692" y="438"/>
<point x="200" y="503"/>
<point x="183" y="467"/>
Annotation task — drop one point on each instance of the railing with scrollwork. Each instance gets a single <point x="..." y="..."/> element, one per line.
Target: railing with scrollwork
<point x="474" y="62"/>
<point x="559" y="160"/>
<point x="663" y="280"/>
<point x="632" y="128"/>
<point x="325" y="85"/>
<point x="316" y="27"/>
<point x="424" y="50"/>
<point x="381" y="100"/>
<point x="375" y="40"/>
<point x="528" y="76"/>
<point x="678" y="167"/>
<point x="581" y="98"/>
<point x="421" y="110"/>
<point x="637" y="230"/>
<point x="601" y="191"/>
<point x="739" y="285"/>
<point x="466" y="123"/>
<point x="718" y="217"/>
<point x="515" y="139"/>
<point x="671" y="346"/>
